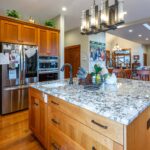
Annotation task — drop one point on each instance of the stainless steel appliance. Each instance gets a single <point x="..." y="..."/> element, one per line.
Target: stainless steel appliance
<point x="48" y="68"/>
<point x="15" y="77"/>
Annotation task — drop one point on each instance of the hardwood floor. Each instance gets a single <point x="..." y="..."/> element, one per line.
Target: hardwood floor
<point x="15" y="133"/>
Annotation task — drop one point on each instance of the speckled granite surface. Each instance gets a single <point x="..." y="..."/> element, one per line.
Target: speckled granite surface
<point x="122" y="102"/>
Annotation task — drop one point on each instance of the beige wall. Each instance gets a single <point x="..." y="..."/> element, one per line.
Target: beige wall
<point x="74" y="37"/>
<point x="136" y="48"/>
<point x="60" y="24"/>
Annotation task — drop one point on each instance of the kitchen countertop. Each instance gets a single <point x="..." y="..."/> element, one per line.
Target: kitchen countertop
<point x="122" y="102"/>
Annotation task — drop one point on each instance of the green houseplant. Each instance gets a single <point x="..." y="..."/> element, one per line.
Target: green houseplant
<point x="50" y="23"/>
<point x="13" y="13"/>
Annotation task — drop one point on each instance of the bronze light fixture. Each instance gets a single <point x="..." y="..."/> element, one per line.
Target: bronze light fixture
<point x="107" y="18"/>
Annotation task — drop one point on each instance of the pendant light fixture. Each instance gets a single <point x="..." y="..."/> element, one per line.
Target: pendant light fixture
<point x="107" y="18"/>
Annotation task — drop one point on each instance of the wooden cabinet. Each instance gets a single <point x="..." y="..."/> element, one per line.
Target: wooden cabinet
<point x="21" y="32"/>
<point x="18" y="33"/>
<point x="43" y="41"/>
<point x="10" y="32"/>
<point x="104" y="126"/>
<point x="38" y="116"/>
<point x="76" y="131"/>
<point x="63" y="126"/>
<point x="29" y="35"/>
<point x="53" y="43"/>
<point x="90" y="131"/>
<point x="48" y="42"/>
<point x="0" y="30"/>
<point x="59" y="141"/>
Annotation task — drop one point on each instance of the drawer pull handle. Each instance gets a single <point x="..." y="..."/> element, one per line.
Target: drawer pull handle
<point x="98" y="124"/>
<point x="55" y="121"/>
<point x="148" y="124"/>
<point x="93" y="148"/>
<point x="36" y="104"/>
<point x="54" y="103"/>
<point x="55" y="146"/>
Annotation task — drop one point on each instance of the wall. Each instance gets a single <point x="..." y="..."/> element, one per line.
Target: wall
<point x="60" y="24"/>
<point x="136" y="48"/>
<point x="74" y="37"/>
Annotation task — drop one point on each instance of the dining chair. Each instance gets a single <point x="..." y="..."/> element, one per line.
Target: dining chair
<point x="110" y="70"/>
<point x="128" y="73"/>
<point x="143" y="75"/>
<point x="118" y="72"/>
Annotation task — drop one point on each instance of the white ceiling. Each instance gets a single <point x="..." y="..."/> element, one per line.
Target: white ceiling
<point x="44" y="9"/>
<point x="137" y="29"/>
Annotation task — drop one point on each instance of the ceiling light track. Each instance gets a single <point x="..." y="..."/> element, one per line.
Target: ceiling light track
<point x="107" y="18"/>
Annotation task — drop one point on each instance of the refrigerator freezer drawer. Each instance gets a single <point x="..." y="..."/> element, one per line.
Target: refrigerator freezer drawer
<point x="14" y="100"/>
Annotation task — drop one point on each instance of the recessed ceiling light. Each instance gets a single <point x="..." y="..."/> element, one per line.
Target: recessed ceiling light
<point x="146" y="25"/>
<point x="140" y="35"/>
<point x="130" y="30"/>
<point x="147" y="39"/>
<point x="64" y="8"/>
<point x="125" y="13"/>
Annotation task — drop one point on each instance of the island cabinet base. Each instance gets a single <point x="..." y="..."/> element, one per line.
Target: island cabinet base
<point x="137" y="134"/>
<point x="82" y="135"/>
<point x="86" y="129"/>
<point x="60" y="125"/>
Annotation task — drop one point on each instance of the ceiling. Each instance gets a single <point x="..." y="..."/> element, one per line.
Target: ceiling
<point x="41" y="10"/>
<point x="139" y="33"/>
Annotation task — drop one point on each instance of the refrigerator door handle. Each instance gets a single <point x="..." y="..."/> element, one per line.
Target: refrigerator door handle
<point x="21" y="64"/>
<point x="16" y="88"/>
<point x="24" y="65"/>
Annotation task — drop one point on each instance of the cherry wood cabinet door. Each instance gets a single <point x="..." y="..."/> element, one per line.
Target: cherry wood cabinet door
<point x="43" y="134"/>
<point x="29" y="35"/>
<point x="53" y="43"/>
<point x="10" y="32"/>
<point x="38" y="116"/>
<point x="43" y="41"/>
<point x="34" y="120"/>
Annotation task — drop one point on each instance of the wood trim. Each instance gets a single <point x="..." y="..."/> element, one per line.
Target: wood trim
<point x="27" y="23"/>
<point x="73" y="46"/>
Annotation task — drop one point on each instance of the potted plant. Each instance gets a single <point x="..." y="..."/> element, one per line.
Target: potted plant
<point x="13" y="13"/>
<point x="50" y="23"/>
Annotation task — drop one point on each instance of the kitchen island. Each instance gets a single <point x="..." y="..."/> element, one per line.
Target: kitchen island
<point x="68" y="117"/>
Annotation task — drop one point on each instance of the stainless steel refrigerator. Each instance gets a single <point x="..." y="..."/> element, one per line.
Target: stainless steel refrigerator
<point x="15" y="77"/>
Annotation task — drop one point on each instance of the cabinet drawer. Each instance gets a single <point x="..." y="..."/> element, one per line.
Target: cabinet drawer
<point x="59" y="141"/>
<point x="89" y="139"/>
<point x="105" y="126"/>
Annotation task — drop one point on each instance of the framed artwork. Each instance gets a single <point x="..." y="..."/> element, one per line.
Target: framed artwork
<point x="136" y="57"/>
<point x="97" y="51"/>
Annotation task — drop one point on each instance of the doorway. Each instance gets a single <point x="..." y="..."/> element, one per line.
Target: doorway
<point x="145" y="59"/>
<point x="72" y="56"/>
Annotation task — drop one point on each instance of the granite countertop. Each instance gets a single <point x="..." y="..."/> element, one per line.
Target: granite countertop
<point x="122" y="102"/>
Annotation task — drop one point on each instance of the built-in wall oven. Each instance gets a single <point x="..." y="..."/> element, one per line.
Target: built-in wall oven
<point x="48" y="68"/>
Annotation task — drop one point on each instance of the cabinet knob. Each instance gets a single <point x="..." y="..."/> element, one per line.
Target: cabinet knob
<point x="93" y="148"/>
<point x="36" y="104"/>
